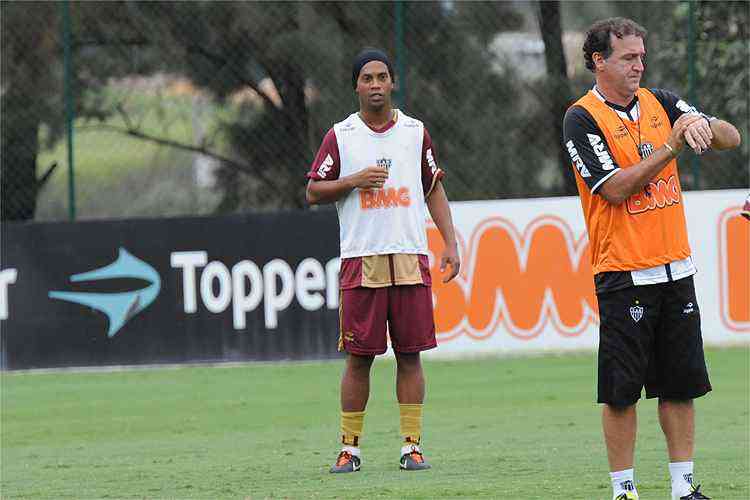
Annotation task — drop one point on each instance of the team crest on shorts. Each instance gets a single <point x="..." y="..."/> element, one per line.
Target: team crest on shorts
<point x="636" y="312"/>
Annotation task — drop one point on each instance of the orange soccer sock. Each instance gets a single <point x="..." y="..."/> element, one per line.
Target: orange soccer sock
<point x="352" y="423"/>
<point x="411" y="423"/>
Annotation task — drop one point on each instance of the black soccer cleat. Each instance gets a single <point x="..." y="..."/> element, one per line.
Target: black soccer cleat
<point x="695" y="494"/>
<point x="413" y="460"/>
<point x="346" y="462"/>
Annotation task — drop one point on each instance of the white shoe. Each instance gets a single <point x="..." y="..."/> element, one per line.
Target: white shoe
<point x="695" y="493"/>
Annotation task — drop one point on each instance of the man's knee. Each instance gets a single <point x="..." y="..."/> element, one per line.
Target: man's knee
<point x="618" y="409"/>
<point x="359" y="364"/>
<point x="677" y="403"/>
<point x="408" y="362"/>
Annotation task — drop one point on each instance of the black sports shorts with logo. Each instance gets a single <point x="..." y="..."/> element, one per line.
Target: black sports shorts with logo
<point x="650" y="335"/>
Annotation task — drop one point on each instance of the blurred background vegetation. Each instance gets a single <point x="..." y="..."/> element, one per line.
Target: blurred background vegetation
<point x="192" y="108"/>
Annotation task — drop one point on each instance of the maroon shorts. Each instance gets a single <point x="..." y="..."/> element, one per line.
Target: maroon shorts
<point x="364" y="312"/>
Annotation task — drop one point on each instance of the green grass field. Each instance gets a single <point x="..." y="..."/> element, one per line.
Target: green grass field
<point x="117" y="175"/>
<point x="523" y="428"/>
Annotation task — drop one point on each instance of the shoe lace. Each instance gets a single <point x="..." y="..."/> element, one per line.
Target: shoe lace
<point x="695" y="494"/>
<point x="416" y="456"/>
<point x="344" y="458"/>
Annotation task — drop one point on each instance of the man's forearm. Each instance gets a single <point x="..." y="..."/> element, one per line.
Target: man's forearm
<point x="726" y="136"/>
<point x="440" y="211"/>
<point x="319" y="192"/>
<point x="629" y="181"/>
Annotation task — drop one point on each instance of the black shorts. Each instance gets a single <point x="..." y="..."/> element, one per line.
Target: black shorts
<point x="650" y="336"/>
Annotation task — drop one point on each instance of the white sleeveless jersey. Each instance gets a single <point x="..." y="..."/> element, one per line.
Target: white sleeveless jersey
<point x="390" y="220"/>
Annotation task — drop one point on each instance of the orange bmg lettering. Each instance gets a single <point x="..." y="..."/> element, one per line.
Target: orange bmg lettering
<point x="384" y="198"/>
<point x="662" y="193"/>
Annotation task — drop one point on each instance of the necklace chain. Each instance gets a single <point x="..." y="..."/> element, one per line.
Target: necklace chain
<point x="638" y="144"/>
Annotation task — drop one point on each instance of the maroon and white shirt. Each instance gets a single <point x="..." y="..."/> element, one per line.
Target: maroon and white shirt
<point x="387" y="221"/>
<point x="327" y="164"/>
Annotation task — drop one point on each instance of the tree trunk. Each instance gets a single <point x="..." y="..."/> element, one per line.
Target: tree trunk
<point x="20" y="147"/>
<point x="295" y="123"/>
<point x="558" y="84"/>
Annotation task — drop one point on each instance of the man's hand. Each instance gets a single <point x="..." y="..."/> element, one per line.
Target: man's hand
<point x="677" y="138"/>
<point x="370" y="178"/>
<point x="450" y="258"/>
<point x="698" y="135"/>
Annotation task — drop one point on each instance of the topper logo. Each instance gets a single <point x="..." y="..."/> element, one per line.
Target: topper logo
<point x="119" y="307"/>
<point x="734" y="270"/>
<point x="522" y="281"/>
<point x="384" y="198"/>
<point x="659" y="194"/>
<point x="7" y="278"/>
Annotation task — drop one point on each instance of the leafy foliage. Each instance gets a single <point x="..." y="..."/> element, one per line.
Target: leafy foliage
<point x="276" y="76"/>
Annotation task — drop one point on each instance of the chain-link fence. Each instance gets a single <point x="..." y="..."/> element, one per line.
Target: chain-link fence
<point x="208" y="107"/>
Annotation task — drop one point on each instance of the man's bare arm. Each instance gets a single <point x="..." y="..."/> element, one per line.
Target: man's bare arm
<point x="631" y="180"/>
<point x="437" y="204"/>
<point x="319" y="192"/>
<point x="726" y="135"/>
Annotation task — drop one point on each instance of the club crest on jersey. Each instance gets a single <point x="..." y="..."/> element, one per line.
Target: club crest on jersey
<point x="646" y="149"/>
<point x="655" y="121"/>
<point x="383" y="163"/>
<point x="636" y="312"/>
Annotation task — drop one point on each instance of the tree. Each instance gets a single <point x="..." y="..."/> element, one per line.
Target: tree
<point x="496" y="134"/>
<point x="221" y="50"/>
<point x="30" y="99"/>
<point x="306" y="49"/>
<point x="559" y="93"/>
<point x="722" y="76"/>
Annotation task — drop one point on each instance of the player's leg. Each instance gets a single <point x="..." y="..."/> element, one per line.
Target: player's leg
<point x="627" y="321"/>
<point x="619" y="424"/>
<point x="410" y="386"/>
<point x="355" y="391"/>
<point x="363" y="313"/>
<point x="355" y="383"/>
<point x="681" y="377"/>
<point x="412" y="330"/>
<point x="677" y="419"/>
<point x="410" y="390"/>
